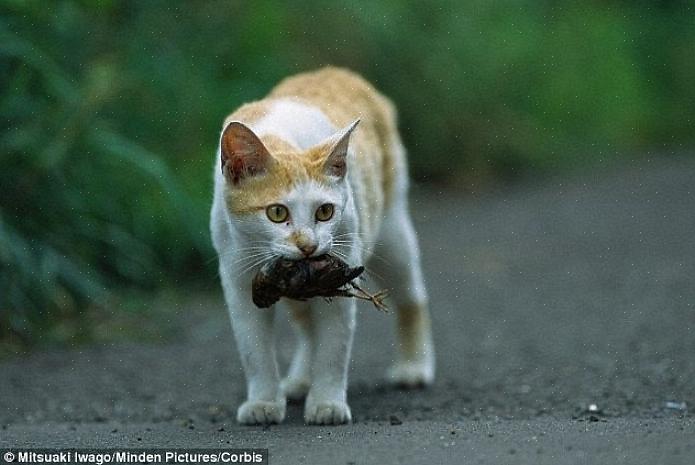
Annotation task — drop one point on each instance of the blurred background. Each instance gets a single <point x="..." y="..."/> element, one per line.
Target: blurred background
<point x="111" y="111"/>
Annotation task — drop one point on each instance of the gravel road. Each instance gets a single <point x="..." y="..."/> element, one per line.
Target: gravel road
<point x="564" y="317"/>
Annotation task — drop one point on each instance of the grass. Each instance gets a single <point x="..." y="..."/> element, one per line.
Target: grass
<point x="111" y="112"/>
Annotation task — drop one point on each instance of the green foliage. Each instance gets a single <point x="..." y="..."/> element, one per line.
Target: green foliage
<point x="111" y="112"/>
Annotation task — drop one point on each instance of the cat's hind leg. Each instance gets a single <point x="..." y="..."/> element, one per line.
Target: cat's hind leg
<point x="397" y="261"/>
<point x="296" y="384"/>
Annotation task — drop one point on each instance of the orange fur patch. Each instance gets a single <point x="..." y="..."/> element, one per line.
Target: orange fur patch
<point x="256" y="193"/>
<point x="342" y="96"/>
<point x="413" y="324"/>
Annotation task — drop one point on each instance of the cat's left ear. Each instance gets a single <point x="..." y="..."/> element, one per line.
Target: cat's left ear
<point x="336" y="161"/>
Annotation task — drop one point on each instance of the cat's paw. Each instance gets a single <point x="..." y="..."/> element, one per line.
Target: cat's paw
<point x="327" y="413"/>
<point x="411" y="374"/>
<point x="261" y="412"/>
<point x="295" y="389"/>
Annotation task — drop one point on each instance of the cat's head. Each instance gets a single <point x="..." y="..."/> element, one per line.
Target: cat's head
<point x="287" y="202"/>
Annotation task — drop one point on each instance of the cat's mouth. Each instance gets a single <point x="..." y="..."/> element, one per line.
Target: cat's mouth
<point x="302" y="257"/>
<point x="295" y="252"/>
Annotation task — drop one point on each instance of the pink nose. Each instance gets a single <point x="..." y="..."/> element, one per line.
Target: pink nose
<point x="307" y="249"/>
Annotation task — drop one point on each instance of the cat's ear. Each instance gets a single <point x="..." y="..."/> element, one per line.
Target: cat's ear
<point x="243" y="154"/>
<point x="336" y="161"/>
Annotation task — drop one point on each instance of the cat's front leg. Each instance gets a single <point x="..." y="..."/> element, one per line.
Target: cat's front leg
<point x="334" y="326"/>
<point x="253" y="331"/>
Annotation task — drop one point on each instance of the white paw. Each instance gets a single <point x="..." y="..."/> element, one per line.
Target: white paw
<point x="261" y="412"/>
<point x="411" y="374"/>
<point x="327" y="413"/>
<point x="295" y="388"/>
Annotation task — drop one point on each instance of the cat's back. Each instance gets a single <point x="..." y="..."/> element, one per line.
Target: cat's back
<point x="340" y="94"/>
<point x="344" y="96"/>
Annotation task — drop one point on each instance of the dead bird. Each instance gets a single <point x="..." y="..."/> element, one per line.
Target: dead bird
<point x="323" y="276"/>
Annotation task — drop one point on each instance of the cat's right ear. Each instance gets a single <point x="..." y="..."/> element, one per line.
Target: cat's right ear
<point x="243" y="154"/>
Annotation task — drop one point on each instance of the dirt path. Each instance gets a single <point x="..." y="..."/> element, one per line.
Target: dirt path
<point x="546" y="299"/>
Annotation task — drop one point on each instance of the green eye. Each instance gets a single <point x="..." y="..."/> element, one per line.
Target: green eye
<point x="324" y="212"/>
<point x="277" y="213"/>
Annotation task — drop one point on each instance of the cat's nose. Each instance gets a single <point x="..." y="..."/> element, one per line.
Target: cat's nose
<point x="307" y="249"/>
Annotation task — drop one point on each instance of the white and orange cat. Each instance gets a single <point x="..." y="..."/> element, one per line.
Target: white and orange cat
<point x="296" y="177"/>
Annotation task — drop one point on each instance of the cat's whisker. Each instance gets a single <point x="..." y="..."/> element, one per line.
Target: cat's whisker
<point x="353" y="246"/>
<point x="253" y="247"/>
<point x="211" y="259"/>
<point x="368" y="249"/>
<point x="257" y="263"/>
<point x="250" y="253"/>
<point x="251" y="258"/>
<point x="250" y="261"/>
<point x="356" y="241"/>
<point x="241" y="253"/>
<point x="339" y="254"/>
<point x="351" y="233"/>
<point x="352" y="243"/>
<point x="345" y="257"/>
<point x="368" y="271"/>
<point x="240" y="250"/>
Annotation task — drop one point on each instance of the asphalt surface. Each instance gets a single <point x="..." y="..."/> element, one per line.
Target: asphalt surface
<point x="546" y="299"/>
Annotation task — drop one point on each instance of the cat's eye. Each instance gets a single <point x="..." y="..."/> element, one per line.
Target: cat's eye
<point x="277" y="213"/>
<point x="324" y="212"/>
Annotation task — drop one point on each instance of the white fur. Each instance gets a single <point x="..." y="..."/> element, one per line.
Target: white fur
<point x="301" y="125"/>
<point x="319" y="367"/>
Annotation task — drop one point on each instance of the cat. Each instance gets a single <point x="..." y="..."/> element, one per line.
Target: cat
<point x="316" y="167"/>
